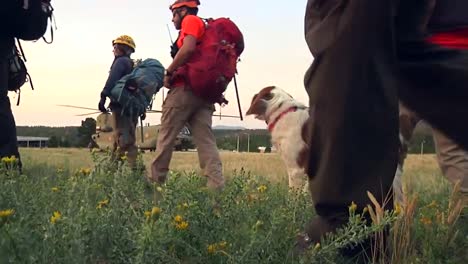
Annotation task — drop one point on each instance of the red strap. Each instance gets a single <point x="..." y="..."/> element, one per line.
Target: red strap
<point x="455" y="39"/>
<point x="272" y="124"/>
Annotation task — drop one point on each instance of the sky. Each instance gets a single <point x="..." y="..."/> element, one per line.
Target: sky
<point x="73" y="69"/>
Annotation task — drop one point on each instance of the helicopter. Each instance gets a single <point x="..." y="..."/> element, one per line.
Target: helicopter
<point x="146" y="136"/>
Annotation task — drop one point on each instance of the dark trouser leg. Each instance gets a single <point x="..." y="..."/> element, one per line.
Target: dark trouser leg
<point x="8" y="140"/>
<point x="355" y="134"/>
<point x="124" y="137"/>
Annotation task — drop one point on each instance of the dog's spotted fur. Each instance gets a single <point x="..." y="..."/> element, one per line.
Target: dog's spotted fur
<point x="290" y="129"/>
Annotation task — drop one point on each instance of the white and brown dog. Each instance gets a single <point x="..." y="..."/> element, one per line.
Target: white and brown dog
<point x="288" y="122"/>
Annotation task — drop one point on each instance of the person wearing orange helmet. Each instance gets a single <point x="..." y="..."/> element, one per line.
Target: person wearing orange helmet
<point x="182" y="106"/>
<point x="123" y="126"/>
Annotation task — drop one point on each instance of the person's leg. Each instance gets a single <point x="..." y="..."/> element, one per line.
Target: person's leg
<point x="453" y="160"/>
<point x="126" y="139"/>
<point x="175" y="112"/>
<point x="8" y="139"/>
<point x="204" y="139"/>
<point x="354" y="142"/>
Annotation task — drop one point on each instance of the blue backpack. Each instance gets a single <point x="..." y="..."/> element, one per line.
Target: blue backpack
<point x="136" y="90"/>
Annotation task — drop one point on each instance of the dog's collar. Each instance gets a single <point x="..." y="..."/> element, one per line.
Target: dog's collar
<point x="272" y="124"/>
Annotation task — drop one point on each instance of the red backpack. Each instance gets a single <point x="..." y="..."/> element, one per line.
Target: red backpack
<point x="213" y="64"/>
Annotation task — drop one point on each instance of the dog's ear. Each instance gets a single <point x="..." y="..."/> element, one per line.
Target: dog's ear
<point x="259" y="102"/>
<point x="254" y="105"/>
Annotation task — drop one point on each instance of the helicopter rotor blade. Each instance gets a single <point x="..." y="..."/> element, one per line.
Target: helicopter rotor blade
<point x="88" y="114"/>
<point x="153" y="111"/>
<point x="78" y="107"/>
<point x="230" y="116"/>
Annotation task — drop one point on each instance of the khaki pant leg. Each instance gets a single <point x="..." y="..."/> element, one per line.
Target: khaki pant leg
<point x="208" y="154"/>
<point x="453" y="160"/>
<point x="124" y="136"/>
<point x="175" y="112"/>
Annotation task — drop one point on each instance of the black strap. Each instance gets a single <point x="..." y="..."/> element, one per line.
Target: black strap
<point x="52" y="21"/>
<point x="238" y="100"/>
<point x="21" y="50"/>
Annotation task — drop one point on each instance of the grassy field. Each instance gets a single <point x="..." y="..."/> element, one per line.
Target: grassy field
<point x="71" y="206"/>
<point x="418" y="168"/>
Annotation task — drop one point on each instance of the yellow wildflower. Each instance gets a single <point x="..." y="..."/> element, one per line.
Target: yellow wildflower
<point x="183" y="206"/>
<point x="8" y="160"/>
<point x="182" y="225"/>
<point x="432" y="204"/>
<point x="102" y="203"/>
<point x="426" y="221"/>
<point x="159" y="189"/>
<point x="211" y="248"/>
<point x="55" y="189"/>
<point x="178" y="218"/>
<point x="155" y="211"/>
<point x="59" y="170"/>
<point x="352" y="207"/>
<point x="365" y="211"/>
<point x="85" y="171"/>
<point x="317" y="246"/>
<point x="55" y="217"/>
<point x="397" y="209"/>
<point x="262" y="188"/>
<point x="222" y="245"/>
<point x="148" y="215"/>
<point x="6" y="213"/>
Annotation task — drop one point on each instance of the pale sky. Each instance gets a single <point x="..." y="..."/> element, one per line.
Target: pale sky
<point x="73" y="69"/>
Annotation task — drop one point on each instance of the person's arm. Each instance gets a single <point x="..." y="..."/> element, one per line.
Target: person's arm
<point x="188" y="47"/>
<point x="118" y="70"/>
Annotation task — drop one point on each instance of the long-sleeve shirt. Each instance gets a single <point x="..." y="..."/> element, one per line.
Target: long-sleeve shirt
<point x="121" y="66"/>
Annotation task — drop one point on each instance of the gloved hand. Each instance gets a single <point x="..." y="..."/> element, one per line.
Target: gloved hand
<point x="102" y="104"/>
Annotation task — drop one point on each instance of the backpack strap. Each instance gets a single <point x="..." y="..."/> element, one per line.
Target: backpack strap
<point x="49" y="10"/>
<point x="29" y="79"/>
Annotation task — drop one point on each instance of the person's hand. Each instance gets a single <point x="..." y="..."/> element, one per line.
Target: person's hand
<point x="102" y="104"/>
<point x="167" y="79"/>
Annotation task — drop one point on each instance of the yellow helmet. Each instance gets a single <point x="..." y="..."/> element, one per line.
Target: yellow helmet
<point x="125" y="40"/>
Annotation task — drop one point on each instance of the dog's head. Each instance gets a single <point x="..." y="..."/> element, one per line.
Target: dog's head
<point x="268" y="100"/>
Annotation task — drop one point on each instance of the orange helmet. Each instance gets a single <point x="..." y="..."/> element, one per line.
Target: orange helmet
<point x="187" y="3"/>
<point x="125" y="40"/>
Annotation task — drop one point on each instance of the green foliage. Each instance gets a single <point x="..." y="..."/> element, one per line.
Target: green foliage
<point x="109" y="214"/>
<point x="85" y="131"/>
<point x="61" y="136"/>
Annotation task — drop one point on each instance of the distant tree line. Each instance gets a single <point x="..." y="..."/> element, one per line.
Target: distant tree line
<point x="62" y="137"/>
<point x="227" y="139"/>
<point x="421" y="140"/>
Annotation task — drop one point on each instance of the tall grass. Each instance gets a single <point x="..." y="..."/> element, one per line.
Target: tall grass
<point x="73" y="207"/>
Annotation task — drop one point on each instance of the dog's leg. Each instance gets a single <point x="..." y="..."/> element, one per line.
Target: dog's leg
<point x="398" y="194"/>
<point x="296" y="179"/>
